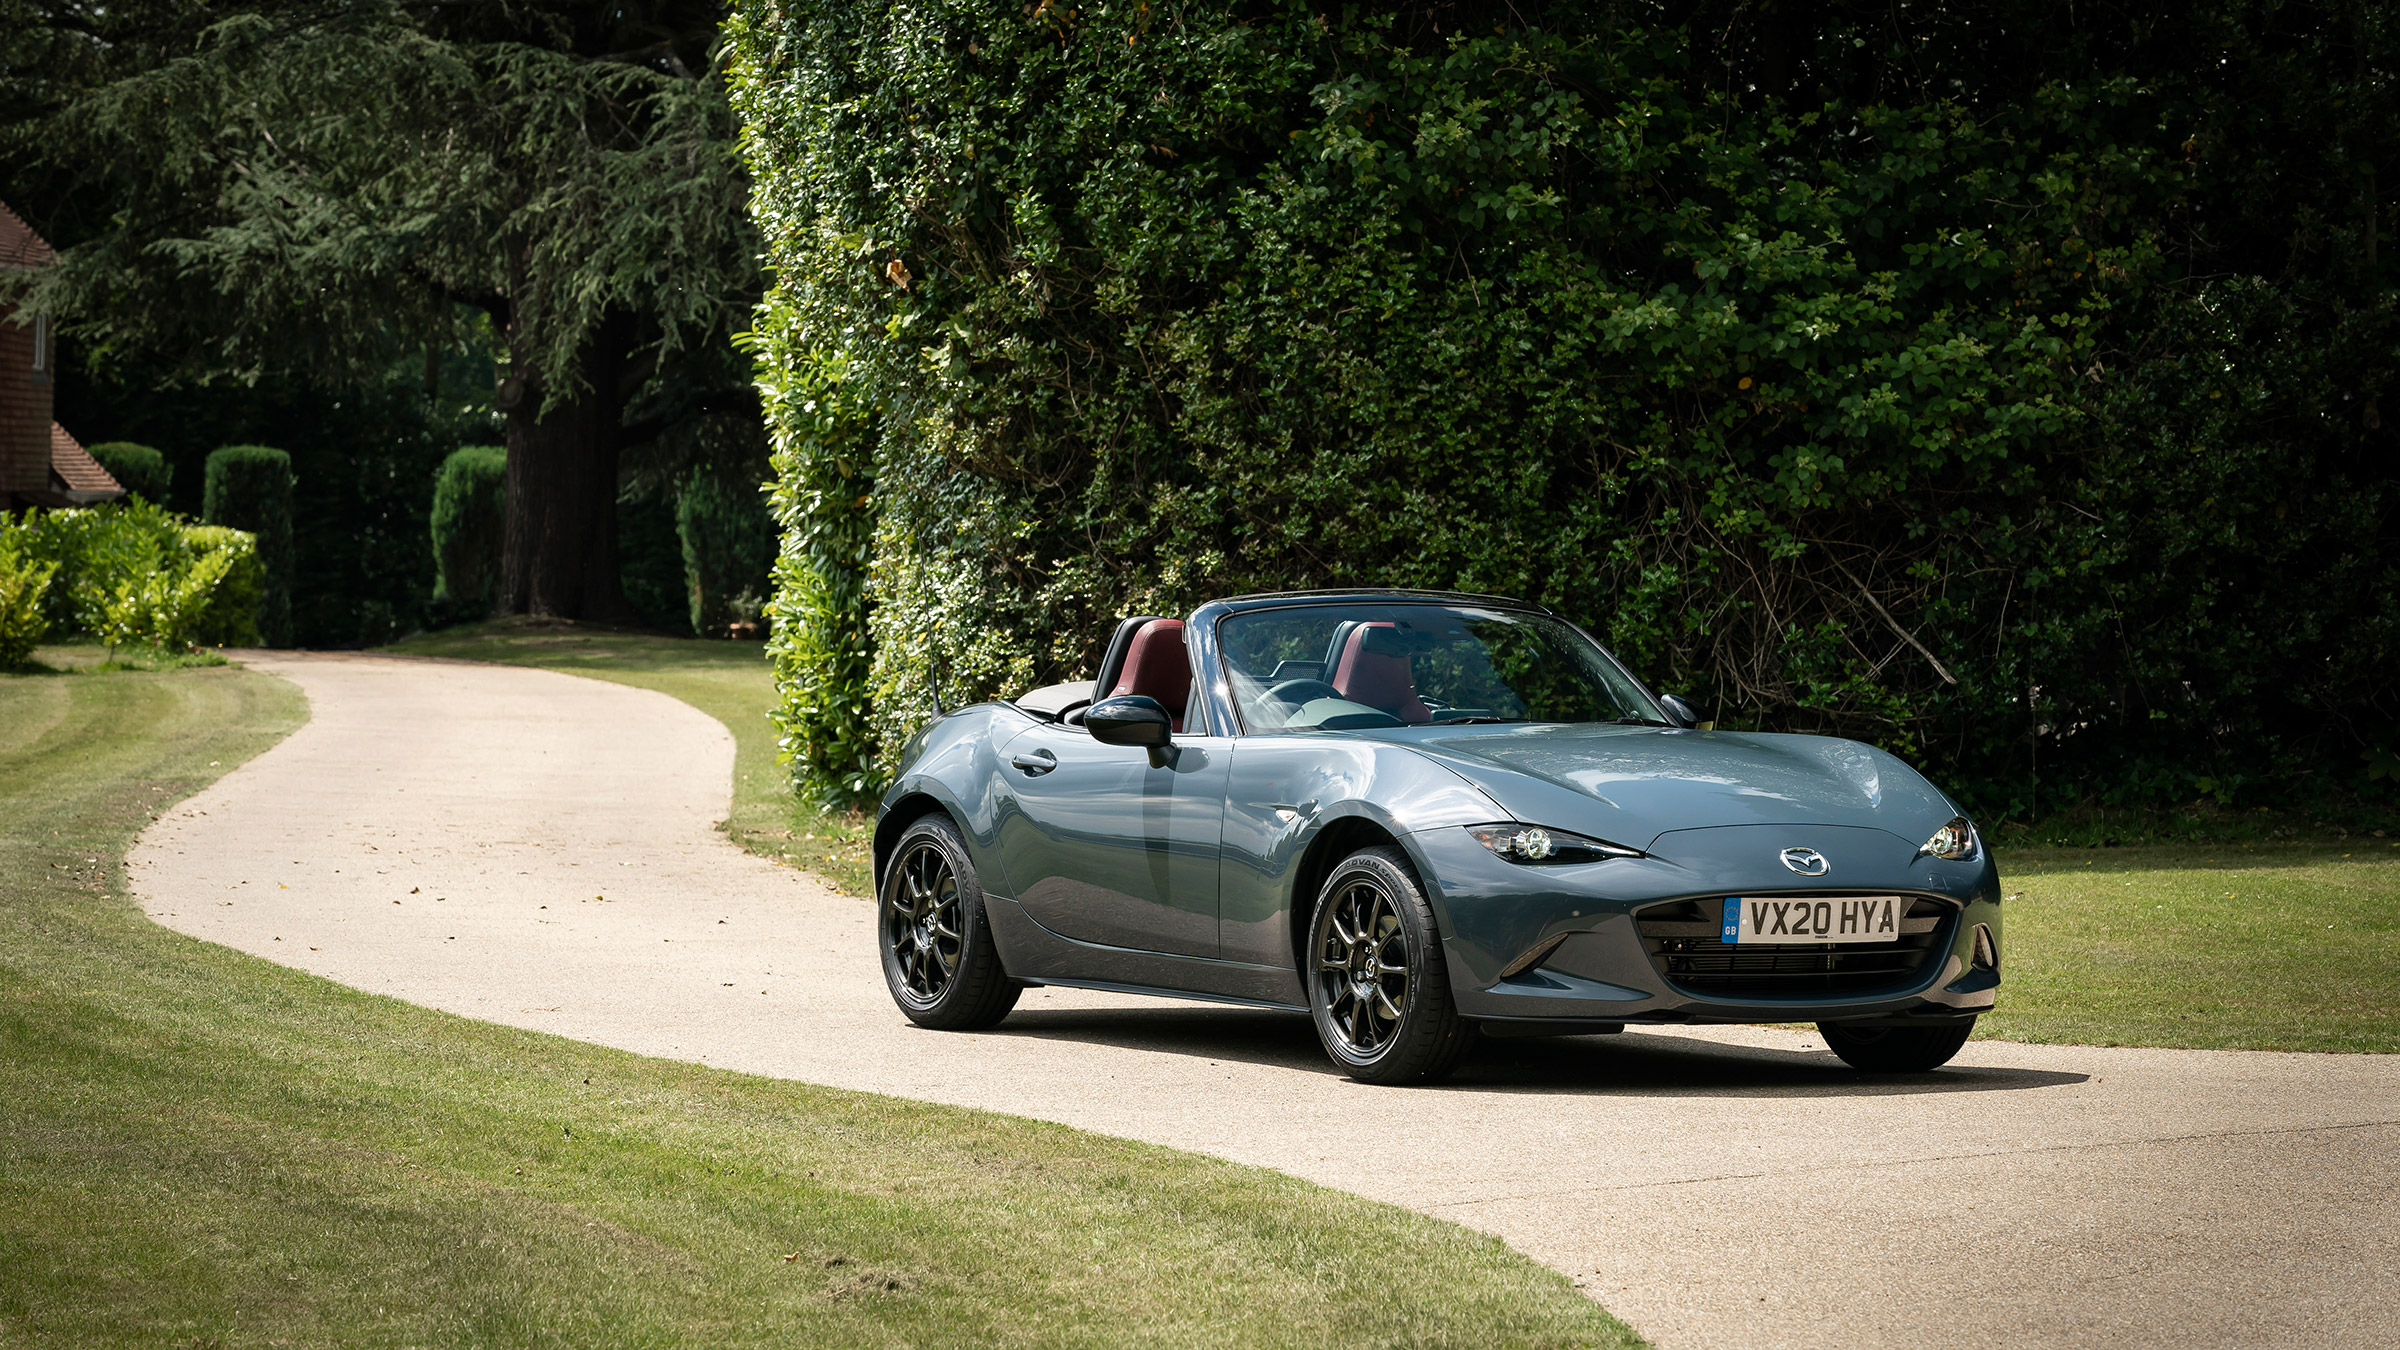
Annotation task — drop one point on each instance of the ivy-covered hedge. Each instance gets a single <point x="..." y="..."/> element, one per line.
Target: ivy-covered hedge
<point x="249" y="487"/>
<point x="2013" y="404"/>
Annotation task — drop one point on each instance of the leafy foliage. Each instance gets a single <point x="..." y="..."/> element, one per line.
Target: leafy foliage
<point x="468" y="500"/>
<point x="728" y="550"/>
<point x="249" y="487"/>
<point x="822" y="498"/>
<point x="133" y="575"/>
<point x="363" y="170"/>
<point x="24" y="579"/>
<point x="2001" y="399"/>
<point x="137" y="468"/>
<point x="293" y="190"/>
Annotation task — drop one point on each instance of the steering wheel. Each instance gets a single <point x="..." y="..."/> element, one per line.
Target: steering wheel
<point x="1301" y="691"/>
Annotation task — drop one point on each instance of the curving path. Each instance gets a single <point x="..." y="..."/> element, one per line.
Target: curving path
<point x="538" y="850"/>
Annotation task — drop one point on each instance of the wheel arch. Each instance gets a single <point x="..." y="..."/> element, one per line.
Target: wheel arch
<point x="904" y="811"/>
<point x="1336" y="840"/>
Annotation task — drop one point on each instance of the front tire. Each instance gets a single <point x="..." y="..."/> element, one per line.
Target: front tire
<point x="1896" y="1049"/>
<point x="1378" y="988"/>
<point x="938" y="957"/>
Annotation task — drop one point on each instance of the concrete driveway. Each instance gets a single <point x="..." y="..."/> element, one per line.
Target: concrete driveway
<point x="538" y="850"/>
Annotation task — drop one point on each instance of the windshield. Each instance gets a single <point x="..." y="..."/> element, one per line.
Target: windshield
<point x="1354" y="666"/>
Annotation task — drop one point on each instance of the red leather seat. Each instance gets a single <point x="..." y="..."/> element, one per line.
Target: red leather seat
<point x="1388" y="682"/>
<point x="1157" y="666"/>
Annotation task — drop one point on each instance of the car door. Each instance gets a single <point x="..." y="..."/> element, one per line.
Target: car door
<point x="1102" y="845"/>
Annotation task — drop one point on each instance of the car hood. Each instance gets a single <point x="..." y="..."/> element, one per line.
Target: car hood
<point x="1632" y="784"/>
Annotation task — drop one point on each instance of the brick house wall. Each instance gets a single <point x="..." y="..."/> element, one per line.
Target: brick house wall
<point x="24" y="415"/>
<point x="40" y="464"/>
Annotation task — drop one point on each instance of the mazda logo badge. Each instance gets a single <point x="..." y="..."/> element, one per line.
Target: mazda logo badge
<point x="1806" y="861"/>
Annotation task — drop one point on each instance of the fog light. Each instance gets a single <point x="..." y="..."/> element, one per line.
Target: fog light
<point x="1987" y="949"/>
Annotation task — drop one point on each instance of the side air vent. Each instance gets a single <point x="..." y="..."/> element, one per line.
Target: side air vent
<point x="1533" y="956"/>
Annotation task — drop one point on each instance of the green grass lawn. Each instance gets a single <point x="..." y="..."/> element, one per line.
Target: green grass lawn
<point x="201" y="1148"/>
<point x="2262" y="946"/>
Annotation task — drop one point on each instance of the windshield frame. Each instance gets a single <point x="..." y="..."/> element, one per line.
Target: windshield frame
<point x="1220" y="681"/>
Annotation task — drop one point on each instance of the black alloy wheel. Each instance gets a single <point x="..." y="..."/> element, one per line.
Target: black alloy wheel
<point x="1378" y="988"/>
<point x="938" y="957"/>
<point x="1896" y="1049"/>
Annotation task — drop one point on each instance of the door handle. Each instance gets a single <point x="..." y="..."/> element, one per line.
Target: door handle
<point x="1037" y="763"/>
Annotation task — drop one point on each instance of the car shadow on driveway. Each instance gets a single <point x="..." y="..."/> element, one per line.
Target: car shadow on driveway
<point x="1633" y="1061"/>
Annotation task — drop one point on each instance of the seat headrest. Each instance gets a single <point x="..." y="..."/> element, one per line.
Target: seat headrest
<point x="1157" y="666"/>
<point x="1373" y="669"/>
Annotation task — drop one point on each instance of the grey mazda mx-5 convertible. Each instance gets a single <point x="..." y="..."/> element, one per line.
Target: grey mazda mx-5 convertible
<point x="1419" y="817"/>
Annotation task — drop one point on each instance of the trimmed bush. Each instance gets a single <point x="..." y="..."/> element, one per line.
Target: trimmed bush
<point x="249" y="487"/>
<point x="138" y="469"/>
<point x="470" y="514"/>
<point x="24" y="581"/>
<point x="728" y="551"/>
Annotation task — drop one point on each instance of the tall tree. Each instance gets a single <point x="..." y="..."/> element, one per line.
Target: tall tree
<point x="292" y="186"/>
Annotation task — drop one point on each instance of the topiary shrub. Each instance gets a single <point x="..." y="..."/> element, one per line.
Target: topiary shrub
<point x="470" y="509"/>
<point x="728" y="551"/>
<point x="138" y="469"/>
<point x="249" y="487"/>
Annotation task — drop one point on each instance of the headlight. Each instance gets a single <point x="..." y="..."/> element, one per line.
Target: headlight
<point x="1533" y="844"/>
<point x="1955" y="841"/>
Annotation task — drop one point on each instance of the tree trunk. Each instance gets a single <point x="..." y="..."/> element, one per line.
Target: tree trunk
<point x="559" y="555"/>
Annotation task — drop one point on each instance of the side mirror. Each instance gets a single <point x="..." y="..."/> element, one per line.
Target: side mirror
<point x="1681" y="712"/>
<point x="1129" y="719"/>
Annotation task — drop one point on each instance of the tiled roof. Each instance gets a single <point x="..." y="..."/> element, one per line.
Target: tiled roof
<point x="75" y="467"/>
<point x="19" y="245"/>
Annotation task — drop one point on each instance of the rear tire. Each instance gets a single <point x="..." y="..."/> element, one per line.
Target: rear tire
<point x="1896" y="1049"/>
<point x="1378" y="988"/>
<point x="938" y="957"/>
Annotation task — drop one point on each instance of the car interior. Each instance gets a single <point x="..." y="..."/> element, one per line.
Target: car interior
<point x="1156" y="665"/>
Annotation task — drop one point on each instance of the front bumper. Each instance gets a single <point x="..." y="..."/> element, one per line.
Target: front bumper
<point x="1564" y="944"/>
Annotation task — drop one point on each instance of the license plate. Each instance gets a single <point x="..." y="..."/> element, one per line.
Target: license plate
<point x="1863" y="918"/>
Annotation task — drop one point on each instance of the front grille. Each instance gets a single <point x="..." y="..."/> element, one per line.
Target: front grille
<point x="1685" y="943"/>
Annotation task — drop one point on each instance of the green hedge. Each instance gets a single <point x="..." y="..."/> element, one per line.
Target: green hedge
<point x="1883" y="389"/>
<point x="130" y="575"/>
<point x="822" y="494"/>
<point x="469" y="525"/>
<point x="249" y="487"/>
<point x="728" y="550"/>
<point x="137" y="468"/>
